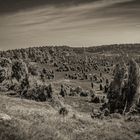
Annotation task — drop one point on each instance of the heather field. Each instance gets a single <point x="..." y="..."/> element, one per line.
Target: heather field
<point x="65" y="93"/>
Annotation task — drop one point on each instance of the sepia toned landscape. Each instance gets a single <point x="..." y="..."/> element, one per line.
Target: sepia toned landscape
<point x="66" y="93"/>
<point x="69" y="69"/>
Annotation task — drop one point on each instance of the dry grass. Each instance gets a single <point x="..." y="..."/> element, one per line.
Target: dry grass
<point x="40" y="121"/>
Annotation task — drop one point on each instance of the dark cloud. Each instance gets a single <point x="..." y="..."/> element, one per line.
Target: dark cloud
<point x="126" y="9"/>
<point x="133" y="4"/>
<point x="10" y="6"/>
<point x="73" y="22"/>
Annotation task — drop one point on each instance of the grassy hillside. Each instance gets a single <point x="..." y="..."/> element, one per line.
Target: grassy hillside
<point x="32" y="121"/>
<point x="56" y="93"/>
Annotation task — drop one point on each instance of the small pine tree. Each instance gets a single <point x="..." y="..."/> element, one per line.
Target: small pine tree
<point x="92" y="85"/>
<point x="101" y="87"/>
<point x="49" y="91"/>
<point x="107" y="81"/>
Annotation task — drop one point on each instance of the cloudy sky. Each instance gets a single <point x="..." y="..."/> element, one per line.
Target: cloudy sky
<point x="27" y="23"/>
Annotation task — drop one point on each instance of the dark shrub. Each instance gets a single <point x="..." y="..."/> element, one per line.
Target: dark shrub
<point x="95" y="99"/>
<point x="2" y="75"/>
<point x="63" y="92"/>
<point x="39" y="93"/>
<point x="84" y="94"/>
<point x="19" y="70"/>
<point x="63" y="111"/>
<point x="101" y="87"/>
